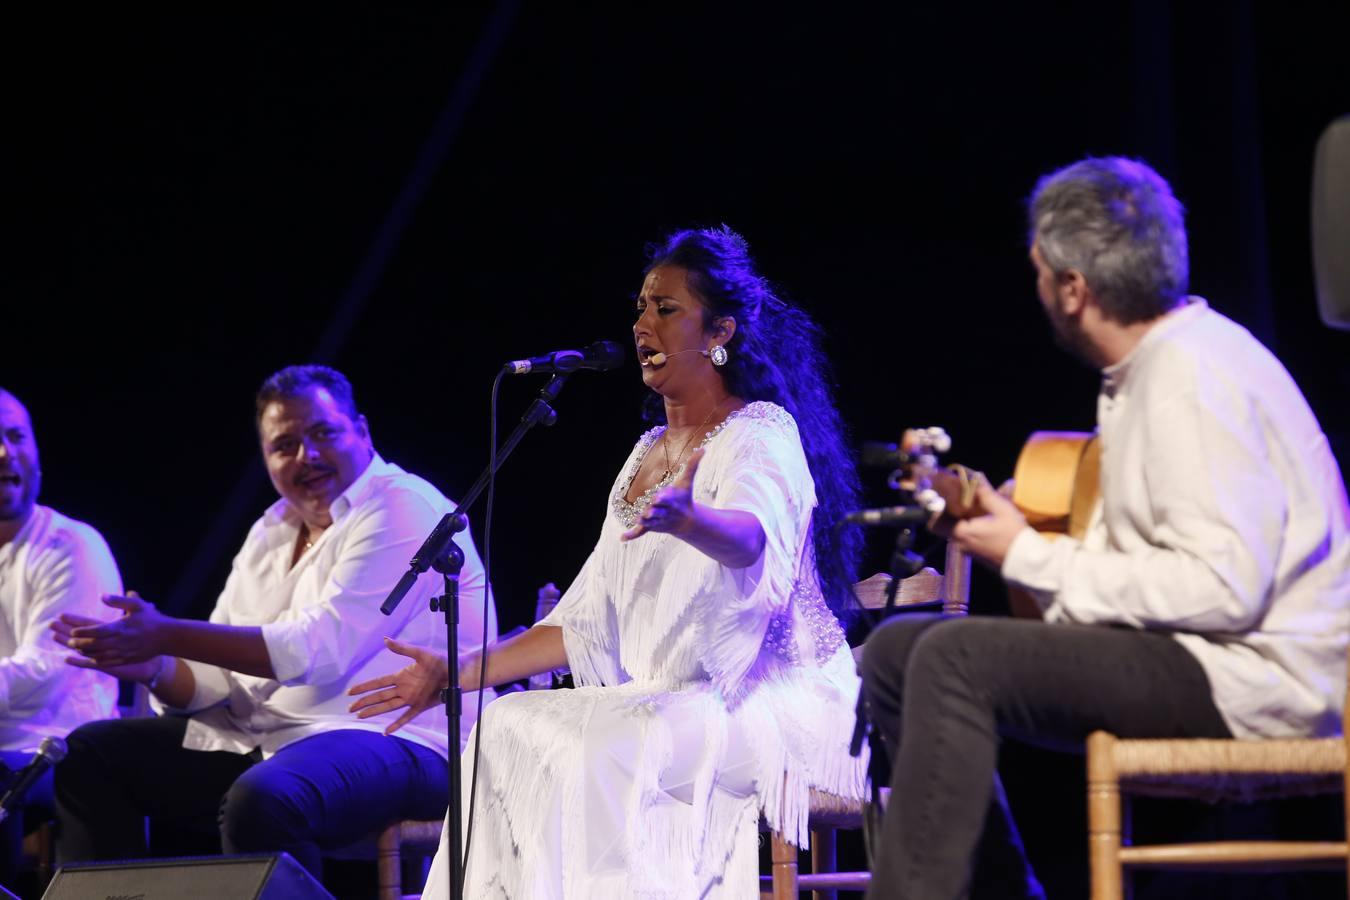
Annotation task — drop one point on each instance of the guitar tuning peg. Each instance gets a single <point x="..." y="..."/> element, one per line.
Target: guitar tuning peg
<point x="937" y="438"/>
<point x="931" y="500"/>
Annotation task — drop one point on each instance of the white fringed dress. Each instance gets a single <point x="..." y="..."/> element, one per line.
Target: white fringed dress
<point x="706" y="697"/>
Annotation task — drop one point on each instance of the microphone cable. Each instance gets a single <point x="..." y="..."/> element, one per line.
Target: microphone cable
<point x="482" y="651"/>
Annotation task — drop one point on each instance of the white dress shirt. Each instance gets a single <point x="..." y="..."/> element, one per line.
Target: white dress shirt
<point x="1223" y="522"/>
<point x="322" y="623"/>
<point x="54" y="565"/>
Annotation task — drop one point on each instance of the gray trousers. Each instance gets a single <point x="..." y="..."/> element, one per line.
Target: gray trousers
<point x="944" y="692"/>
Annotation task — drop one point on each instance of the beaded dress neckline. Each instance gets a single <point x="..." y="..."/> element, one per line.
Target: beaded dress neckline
<point x="629" y="513"/>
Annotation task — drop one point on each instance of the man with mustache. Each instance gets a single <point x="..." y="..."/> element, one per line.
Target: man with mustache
<point x="257" y="731"/>
<point x="1209" y="598"/>
<point x="49" y="565"/>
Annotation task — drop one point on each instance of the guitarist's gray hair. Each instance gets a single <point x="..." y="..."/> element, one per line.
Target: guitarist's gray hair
<point x="1116" y="221"/>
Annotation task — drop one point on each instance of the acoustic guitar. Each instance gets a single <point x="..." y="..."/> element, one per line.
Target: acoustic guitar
<point x="1056" y="485"/>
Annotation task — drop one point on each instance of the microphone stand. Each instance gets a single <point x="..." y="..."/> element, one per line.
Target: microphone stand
<point x="904" y="563"/>
<point x="440" y="552"/>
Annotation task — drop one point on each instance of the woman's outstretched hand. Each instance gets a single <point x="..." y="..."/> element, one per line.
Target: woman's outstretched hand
<point x="672" y="508"/>
<point x="416" y="686"/>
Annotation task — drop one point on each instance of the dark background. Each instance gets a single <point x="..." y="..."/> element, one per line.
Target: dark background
<point x="416" y="194"/>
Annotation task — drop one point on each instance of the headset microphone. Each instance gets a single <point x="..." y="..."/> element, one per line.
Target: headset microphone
<point x="659" y="359"/>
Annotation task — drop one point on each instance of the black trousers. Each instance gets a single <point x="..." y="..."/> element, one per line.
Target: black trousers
<point x="320" y="793"/>
<point x="35" y="807"/>
<point x="944" y="692"/>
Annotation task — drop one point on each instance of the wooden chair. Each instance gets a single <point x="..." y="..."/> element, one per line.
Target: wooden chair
<point x="948" y="592"/>
<point x="1211" y="770"/>
<point x="424" y="837"/>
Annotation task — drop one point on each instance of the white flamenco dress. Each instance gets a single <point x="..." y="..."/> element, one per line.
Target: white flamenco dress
<point x="706" y="697"/>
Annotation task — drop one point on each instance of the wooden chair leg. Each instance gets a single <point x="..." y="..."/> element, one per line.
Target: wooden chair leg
<point x="1104" y="818"/>
<point x="784" y="868"/>
<point x="956" y="582"/>
<point x="46" y="837"/>
<point x="389" y="864"/>
<point x="823" y="859"/>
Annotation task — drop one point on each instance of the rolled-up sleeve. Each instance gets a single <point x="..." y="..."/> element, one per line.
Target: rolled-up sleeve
<point x="212" y="685"/>
<point x="322" y="641"/>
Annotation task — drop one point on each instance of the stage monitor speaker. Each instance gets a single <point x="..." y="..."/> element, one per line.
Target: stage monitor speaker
<point x="274" y="876"/>
<point x="1331" y="223"/>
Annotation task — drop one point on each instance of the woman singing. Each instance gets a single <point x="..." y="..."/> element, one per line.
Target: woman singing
<point x="714" y="684"/>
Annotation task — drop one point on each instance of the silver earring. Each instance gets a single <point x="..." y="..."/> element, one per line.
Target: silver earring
<point x="718" y="355"/>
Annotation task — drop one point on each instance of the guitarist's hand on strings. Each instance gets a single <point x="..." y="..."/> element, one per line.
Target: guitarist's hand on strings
<point x="991" y="535"/>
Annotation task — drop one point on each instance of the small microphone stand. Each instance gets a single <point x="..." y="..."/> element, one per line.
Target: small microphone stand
<point x="904" y="563"/>
<point x="440" y="552"/>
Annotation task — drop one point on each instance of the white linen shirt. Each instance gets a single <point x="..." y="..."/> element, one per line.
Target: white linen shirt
<point x="322" y="623"/>
<point x="1223" y="522"/>
<point x="54" y="565"/>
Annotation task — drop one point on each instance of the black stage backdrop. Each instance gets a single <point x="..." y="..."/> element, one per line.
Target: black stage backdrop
<point x="416" y="194"/>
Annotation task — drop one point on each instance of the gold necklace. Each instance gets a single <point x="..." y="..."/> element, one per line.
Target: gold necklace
<point x="665" y="443"/>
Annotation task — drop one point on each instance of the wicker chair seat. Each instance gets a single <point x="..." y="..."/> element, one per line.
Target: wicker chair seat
<point x="1231" y="771"/>
<point x="833" y="811"/>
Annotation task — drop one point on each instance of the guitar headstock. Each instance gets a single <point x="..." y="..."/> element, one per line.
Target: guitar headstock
<point x="948" y="492"/>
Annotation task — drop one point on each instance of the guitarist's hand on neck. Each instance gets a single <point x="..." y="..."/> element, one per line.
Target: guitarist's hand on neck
<point x="989" y="536"/>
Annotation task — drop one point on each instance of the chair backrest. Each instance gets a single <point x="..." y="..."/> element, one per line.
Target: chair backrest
<point x="950" y="588"/>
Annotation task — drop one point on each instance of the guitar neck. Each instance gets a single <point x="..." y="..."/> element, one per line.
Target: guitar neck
<point x="956" y="486"/>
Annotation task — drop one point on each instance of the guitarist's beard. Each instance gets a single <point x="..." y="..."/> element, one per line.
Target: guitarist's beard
<point x="1069" y="335"/>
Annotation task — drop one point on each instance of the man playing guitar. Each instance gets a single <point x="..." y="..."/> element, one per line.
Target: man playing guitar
<point x="1208" y="597"/>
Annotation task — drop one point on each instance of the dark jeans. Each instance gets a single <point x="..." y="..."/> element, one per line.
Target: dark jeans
<point x="943" y="693"/>
<point x="321" y="793"/>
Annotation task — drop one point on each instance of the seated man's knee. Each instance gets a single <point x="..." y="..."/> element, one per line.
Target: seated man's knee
<point x="950" y="650"/>
<point x="259" y="812"/>
<point x="85" y="749"/>
<point x="887" y="649"/>
<point x="93" y="734"/>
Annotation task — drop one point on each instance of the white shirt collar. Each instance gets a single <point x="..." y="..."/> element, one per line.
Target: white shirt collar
<point x="1114" y="375"/>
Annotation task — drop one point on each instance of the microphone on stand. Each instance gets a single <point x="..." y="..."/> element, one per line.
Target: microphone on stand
<point x="50" y="752"/>
<point x="890" y="515"/>
<point x="600" y="356"/>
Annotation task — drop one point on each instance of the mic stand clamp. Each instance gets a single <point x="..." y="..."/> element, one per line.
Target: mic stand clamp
<point x="904" y="563"/>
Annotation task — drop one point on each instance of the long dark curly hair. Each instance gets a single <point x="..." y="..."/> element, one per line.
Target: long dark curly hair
<point x="775" y="355"/>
